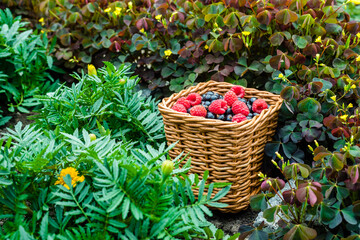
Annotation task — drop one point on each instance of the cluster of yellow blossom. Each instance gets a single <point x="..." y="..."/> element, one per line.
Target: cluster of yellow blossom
<point x="167" y="52"/>
<point x="117" y="11"/>
<point x="75" y="178"/>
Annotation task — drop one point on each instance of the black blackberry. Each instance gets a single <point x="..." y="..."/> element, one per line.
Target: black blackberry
<point x="229" y="117"/>
<point x="228" y="111"/>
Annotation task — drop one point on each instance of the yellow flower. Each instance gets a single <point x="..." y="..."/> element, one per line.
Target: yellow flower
<point x="356" y="2"/>
<point x="358" y="58"/>
<point x="107" y="10"/>
<point x="91" y="70"/>
<point x="42" y="31"/>
<point x="142" y="30"/>
<point x="168" y="52"/>
<point x="358" y="34"/>
<point x="344" y="117"/>
<point x="206" y="47"/>
<point x="353" y="86"/>
<point x="281" y="75"/>
<point x="158" y="17"/>
<point x="350" y="105"/>
<point x="42" y="21"/>
<point x="318" y="39"/>
<point x="333" y="98"/>
<point x="117" y="11"/>
<point x="246" y="33"/>
<point x="73" y="174"/>
<point x="130" y="5"/>
<point x="216" y="25"/>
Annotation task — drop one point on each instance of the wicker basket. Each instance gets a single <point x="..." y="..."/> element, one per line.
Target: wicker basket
<point x="231" y="152"/>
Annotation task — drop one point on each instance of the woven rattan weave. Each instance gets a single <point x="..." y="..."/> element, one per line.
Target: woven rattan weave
<point x="231" y="152"/>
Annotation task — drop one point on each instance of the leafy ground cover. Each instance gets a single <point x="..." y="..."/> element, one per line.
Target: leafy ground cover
<point x="306" y="51"/>
<point x="64" y="184"/>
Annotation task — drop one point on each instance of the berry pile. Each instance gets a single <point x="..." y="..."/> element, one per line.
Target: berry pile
<point x="230" y="107"/>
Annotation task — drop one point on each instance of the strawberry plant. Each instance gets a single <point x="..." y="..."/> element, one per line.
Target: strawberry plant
<point x="25" y="62"/>
<point x="107" y="97"/>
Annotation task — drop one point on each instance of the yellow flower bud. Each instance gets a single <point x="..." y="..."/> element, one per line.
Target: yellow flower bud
<point x="318" y="39"/>
<point x="91" y="70"/>
<point x="167" y="167"/>
<point x="92" y="137"/>
<point x="158" y="17"/>
<point x="281" y="75"/>
<point x="246" y="33"/>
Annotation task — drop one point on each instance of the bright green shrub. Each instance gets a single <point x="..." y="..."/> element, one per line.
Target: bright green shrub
<point x="24" y="63"/>
<point x="108" y="97"/>
<point x="119" y="194"/>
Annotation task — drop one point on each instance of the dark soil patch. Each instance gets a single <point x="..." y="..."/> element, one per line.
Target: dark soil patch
<point x="230" y="222"/>
<point x="17" y="117"/>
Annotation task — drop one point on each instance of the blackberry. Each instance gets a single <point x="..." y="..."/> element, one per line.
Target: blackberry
<point x="210" y="115"/>
<point x="221" y="117"/>
<point x="213" y="97"/>
<point x="188" y="111"/>
<point x="249" y="106"/>
<point x="228" y="111"/>
<point x="255" y="114"/>
<point x="250" y="115"/>
<point x="242" y="99"/>
<point x="249" y="118"/>
<point x="210" y="93"/>
<point x="207" y="103"/>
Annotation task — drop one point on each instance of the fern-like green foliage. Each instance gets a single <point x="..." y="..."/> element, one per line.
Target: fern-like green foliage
<point x="124" y="194"/>
<point x="25" y="62"/>
<point x="101" y="99"/>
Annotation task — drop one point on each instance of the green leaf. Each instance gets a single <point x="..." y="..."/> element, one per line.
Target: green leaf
<point x="300" y="232"/>
<point x="258" y="202"/>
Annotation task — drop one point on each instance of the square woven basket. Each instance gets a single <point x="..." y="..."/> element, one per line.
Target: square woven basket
<point x="230" y="151"/>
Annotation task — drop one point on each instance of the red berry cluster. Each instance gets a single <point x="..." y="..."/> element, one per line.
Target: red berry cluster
<point x="230" y="107"/>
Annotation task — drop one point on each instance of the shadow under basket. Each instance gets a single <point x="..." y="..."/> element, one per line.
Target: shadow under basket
<point x="230" y="151"/>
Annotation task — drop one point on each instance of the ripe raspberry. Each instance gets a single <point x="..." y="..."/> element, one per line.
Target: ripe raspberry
<point x="194" y="99"/>
<point x="239" y="91"/>
<point x="179" y="108"/>
<point x="184" y="102"/>
<point x="239" y="118"/>
<point x="240" y="107"/>
<point x="259" y="105"/>
<point x="218" y="106"/>
<point x="230" y="98"/>
<point x="198" y="110"/>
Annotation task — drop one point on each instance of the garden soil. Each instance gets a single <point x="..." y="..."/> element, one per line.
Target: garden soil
<point x="228" y="222"/>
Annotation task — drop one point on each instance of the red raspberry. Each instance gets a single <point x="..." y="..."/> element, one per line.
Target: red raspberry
<point x="184" y="102"/>
<point x="218" y="106"/>
<point x="179" y="108"/>
<point x="198" y="110"/>
<point x="239" y="91"/>
<point x="259" y="105"/>
<point x="239" y="118"/>
<point x="240" y="107"/>
<point x="230" y="98"/>
<point x="194" y="99"/>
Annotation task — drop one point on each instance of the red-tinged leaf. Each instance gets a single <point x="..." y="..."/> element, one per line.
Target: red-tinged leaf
<point x="289" y="93"/>
<point x="264" y="17"/>
<point x="332" y="122"/>
<point x="353" y="172"/>
<point x="301" y="194"/>
<point x="275" y="62"/>
<point x="311" y="50"/>
<point x="276" y="39"/>
<point x="235" y="44"/>
<point x="315" y="87"/>
<point x="348" y="53"/>
<point x="286" y="16"/>
<point x="289" y="196"/>
<point x="337" y="161"/>
<point x="320" y="153"/>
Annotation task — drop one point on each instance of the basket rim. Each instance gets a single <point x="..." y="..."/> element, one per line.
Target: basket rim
<point x="165" y="109"/>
